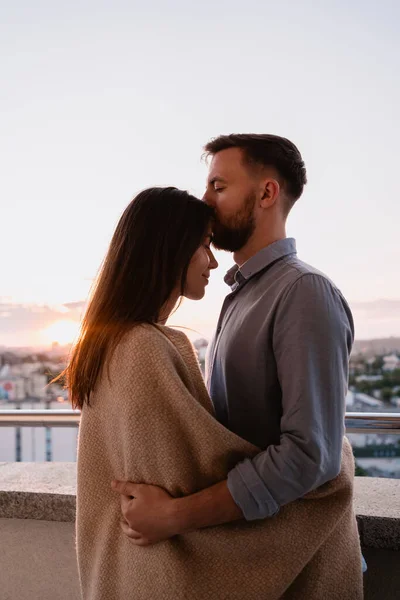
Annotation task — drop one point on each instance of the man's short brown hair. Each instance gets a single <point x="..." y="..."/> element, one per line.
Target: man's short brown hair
<point x="269" y="151"/>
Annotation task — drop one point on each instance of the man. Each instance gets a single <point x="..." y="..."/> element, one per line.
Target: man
<point x="278" y="364"/>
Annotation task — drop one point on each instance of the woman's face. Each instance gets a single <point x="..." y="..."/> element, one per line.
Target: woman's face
<point x="203" y="261"/>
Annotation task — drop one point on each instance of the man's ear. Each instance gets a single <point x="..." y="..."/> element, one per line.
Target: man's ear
<point x="270" y="193"/>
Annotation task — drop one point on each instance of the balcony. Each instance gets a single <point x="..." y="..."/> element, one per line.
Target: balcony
<point x="37" y="512"/>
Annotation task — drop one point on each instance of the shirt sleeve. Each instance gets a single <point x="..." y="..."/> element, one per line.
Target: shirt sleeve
<point x="312" y="339"/>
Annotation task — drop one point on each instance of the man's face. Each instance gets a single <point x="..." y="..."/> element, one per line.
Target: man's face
<point x="231" y="191"/>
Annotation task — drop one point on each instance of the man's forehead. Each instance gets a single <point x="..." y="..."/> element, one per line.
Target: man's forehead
<point x="224" y="163"/>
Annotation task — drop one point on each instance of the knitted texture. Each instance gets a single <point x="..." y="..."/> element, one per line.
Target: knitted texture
<point x="152" y="421"/>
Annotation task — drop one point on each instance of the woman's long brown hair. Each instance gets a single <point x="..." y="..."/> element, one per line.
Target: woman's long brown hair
<point x="149" y="255"/>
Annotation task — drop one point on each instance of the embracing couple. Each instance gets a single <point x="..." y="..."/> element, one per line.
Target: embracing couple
<point x="240" y="487"/>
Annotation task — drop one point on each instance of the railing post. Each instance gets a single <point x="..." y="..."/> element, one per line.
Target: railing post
<point x="48" y="436"/>
<point x="18" y="451"/>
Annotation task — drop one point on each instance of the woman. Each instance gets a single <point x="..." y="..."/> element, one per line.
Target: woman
<point x="147" y="417"/>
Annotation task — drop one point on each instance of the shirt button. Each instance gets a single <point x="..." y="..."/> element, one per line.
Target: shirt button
<point x="218" y="329"/>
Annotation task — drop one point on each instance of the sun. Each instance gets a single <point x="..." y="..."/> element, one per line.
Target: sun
<point x="63" y="332"/>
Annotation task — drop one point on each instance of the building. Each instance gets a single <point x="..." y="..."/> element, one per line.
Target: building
<point x="12" y="388"/>
<point x="391" y="362"/>
<point x="201" y="348"/>
<point x="369" y="378"/>
<point x="15" y="386"/>
<point x="355" y="401"/>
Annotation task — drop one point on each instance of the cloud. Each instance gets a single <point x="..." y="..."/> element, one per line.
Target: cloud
<point x="378" y="309"/>
<point x="21" y="324"/>
<point x="376" y="318"/>
<point x="75" y="306"/>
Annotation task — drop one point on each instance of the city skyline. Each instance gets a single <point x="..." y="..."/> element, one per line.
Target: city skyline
<point x="101" y="101"/>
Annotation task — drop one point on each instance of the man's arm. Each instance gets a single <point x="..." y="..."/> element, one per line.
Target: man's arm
<point x="313" y="334"/>
<point x="209" y="507"/>
<point x="151" y="515"/>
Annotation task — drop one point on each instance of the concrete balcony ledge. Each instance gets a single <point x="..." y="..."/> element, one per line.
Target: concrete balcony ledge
<point x="37" y="532"/>
<point x="377" y="506"/>
<point x="40" y="491"/>
<point x="46" y="491"/>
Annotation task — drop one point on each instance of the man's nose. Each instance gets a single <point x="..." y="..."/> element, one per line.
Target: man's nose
<point x="208" y="199"/>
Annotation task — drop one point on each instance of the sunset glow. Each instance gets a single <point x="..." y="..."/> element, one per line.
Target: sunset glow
<point x="63" y="332"/>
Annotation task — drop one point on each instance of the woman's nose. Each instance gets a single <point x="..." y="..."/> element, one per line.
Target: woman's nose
<point x="213" y="262"/>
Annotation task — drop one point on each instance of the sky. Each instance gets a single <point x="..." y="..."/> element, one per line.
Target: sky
<point x="102" y="99"/>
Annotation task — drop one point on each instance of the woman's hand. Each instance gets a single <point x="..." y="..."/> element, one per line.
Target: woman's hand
<point x="148" y="512"/>
<point x="151" y="515"/>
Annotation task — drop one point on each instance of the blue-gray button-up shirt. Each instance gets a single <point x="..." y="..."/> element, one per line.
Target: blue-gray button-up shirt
<point x="277" y="374"/>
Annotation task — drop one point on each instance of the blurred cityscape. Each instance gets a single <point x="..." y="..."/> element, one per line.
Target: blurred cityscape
<point x="25" y="383"/>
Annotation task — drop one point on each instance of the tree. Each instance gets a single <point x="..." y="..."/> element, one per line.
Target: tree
<point x="376" y="366"/>
<point x="386" y="394"/>
<point x="360" y="472"/>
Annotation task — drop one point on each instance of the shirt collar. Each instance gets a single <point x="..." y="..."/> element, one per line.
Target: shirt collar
<point x="235" y="276"/>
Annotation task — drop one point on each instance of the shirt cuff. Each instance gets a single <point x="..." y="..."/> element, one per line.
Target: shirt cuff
<point x="250" y="492"/>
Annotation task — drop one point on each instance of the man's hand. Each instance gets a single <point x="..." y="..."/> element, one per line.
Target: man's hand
<point x="152" y="515"/>
<point x="148" y="515"/>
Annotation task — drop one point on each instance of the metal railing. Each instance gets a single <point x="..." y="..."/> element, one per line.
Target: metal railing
<point x="356" y="422"/>
<point x="369" y="422"/>
<point x="39" y="418"/>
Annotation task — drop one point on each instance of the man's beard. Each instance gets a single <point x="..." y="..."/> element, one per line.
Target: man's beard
<point x="236" y="231"/>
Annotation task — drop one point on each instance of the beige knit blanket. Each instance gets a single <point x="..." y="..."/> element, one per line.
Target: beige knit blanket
<point x="153" y="422"/>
